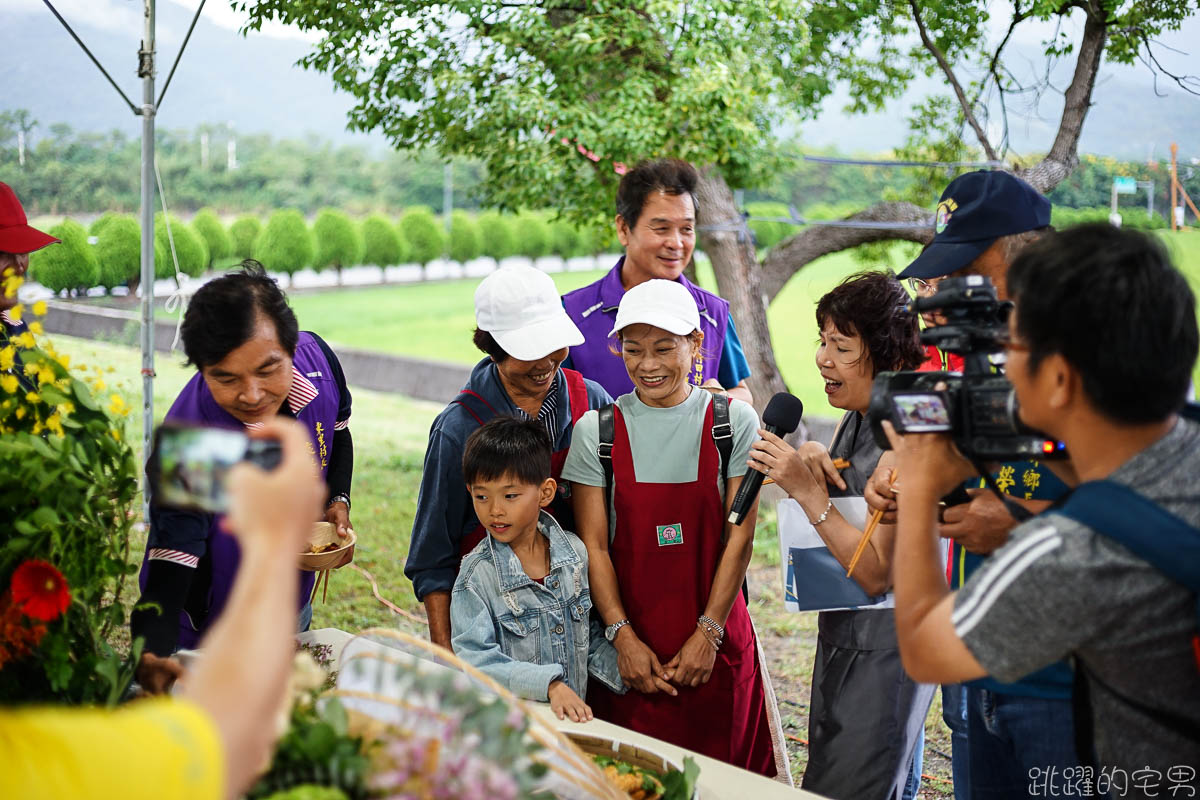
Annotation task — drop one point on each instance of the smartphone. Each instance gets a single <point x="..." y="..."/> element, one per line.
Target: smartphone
<point x="189" y="464"/>
<point x="920" y="412"/>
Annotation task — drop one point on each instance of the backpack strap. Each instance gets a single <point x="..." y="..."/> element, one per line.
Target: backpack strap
<point x="1167" y="543"/>
<point x="576" y="394"/>
<point x="475" y="405"/>
<point x="722" y="432"/>
<point x="608" y="433"/>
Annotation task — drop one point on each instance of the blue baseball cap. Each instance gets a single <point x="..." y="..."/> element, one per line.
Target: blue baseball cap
<point x="975" y="210"/>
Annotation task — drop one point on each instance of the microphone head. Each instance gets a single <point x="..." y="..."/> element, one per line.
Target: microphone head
<point x="783" y="413"/>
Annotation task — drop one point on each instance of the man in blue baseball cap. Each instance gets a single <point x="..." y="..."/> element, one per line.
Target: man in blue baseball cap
<point x="1004" y="734"/>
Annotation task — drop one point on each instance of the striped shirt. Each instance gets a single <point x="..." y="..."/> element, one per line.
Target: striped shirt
<point x="547" y="415"/>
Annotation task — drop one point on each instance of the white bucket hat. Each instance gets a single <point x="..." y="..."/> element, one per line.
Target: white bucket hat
<point x="663" y="304"/>
<point x="521" y="309"/>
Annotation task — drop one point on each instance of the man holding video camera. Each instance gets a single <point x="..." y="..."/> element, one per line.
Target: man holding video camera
<point x="1000" y="730"/>
<point x="1102" y="345"/>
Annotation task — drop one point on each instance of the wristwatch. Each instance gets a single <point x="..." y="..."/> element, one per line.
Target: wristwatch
<point x="610" y="632"/>
<point x="339" y="498"/>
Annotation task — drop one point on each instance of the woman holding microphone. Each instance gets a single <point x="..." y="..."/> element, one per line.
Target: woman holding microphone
<point x="651" y="494"/>
<point x="867" y="717"/>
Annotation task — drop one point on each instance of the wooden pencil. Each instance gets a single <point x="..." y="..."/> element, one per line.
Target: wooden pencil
<point x="872" y="524"/>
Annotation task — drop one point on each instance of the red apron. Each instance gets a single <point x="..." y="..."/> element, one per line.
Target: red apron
<point x="664" y="588"/>
<point x="560" y="507"/>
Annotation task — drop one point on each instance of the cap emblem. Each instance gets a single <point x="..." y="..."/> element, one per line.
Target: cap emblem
<point x="945" y="210"/>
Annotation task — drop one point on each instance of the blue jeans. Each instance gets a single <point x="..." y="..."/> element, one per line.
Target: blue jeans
<point x="1018" y="743"/>
<point x="913" y="787"/>
<point x="304" y="621"/>
<point x="954" y="714"/>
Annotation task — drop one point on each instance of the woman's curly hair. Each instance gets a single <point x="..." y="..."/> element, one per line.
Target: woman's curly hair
<point x="873" y="306"/>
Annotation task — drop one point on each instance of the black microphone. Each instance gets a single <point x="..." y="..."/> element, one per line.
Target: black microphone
<point x="780" y="417"/>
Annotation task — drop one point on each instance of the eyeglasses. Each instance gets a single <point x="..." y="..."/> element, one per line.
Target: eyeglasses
<point x="922" y="287"/>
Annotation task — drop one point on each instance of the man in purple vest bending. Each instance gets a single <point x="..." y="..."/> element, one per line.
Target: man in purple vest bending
<point x="656" y="224"/>
<point x="253" y="364"/>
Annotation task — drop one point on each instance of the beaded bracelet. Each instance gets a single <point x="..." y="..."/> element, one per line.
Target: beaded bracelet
<point x="708" y="625"/>
<point x="824" y="514"/>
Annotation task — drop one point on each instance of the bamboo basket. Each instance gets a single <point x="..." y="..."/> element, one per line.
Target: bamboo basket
<point x="323" y="533"/>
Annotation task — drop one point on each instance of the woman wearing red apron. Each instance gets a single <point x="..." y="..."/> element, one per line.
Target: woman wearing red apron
<point x="666" y="571"/>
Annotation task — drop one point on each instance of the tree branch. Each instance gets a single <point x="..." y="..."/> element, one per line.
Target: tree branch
<point x="1186" y="82"/>
<point x="789" y="256"/>
<point x="940" y="57"/>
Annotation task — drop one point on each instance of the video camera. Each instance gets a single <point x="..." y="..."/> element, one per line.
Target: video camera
<point x="977" y="407"/>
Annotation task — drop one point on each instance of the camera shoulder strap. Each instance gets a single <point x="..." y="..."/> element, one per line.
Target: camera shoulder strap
<point x="1166" y="542"/>
<point x="722" y="432"/>
<point x="608" y="433"/>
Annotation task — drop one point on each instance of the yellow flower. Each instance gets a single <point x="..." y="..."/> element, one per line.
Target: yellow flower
<point x="11" y="284"/>
<point x="16" y="311"/>
<point x="54" y="423"/>
<point x="99" y="385"/>
<point x="45" y="375"/>
<point x="65" y="360"/>
<point x="39" y="308"/>
<point x="33" y="398"/>
<point x="116" y="434"/>
<point x="37" y="428"/>
<point x="116" y="404"/>
<point x="9" y="384"/>
<point x="37" y="329"/>
<point x="66" y="409"/>
<point x="25" y="340"/>
<point x="8" y="357"/>
<point x="31" y="370"/>
<point x="21" y="412"/>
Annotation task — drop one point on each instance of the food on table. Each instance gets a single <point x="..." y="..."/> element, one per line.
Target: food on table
<point x="638" y="783"/>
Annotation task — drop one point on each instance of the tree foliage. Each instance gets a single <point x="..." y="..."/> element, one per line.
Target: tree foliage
<point x="464" y="237"/>
<point x="382" y="245"/>
<point x="286" y="244"/>
<point x="565" y="239"/>
<point x="422" y="234"/>
<point x="119" y="251"/>
<point x="496" y="236"/>
<point x="69" y="265"/>
<point x="338" y="242"/>
<point x="208" y="225"/>
<point x="190" y="249"/>
<point x="243" y="232"/>
<point x="532" y="235"/>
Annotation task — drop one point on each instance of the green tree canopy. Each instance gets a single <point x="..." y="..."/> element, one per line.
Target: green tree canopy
<point x="190" y="249"/>
<point x="244" y="231"/>
<point x="496" y="237"/>
<point x="210" y="228"/>
<point x="532" y="234"/>
<point x="382" y="245"/>
<point x="119" y="251"/>
<point x="565" y="239"/>
<point x="464" y="237"/>
<point x="285" y="245"/>
<point x="422" y="234"/>
<point x="69" y="265"/>
<point x="339" y="243"/>
<point x="101" y="221"/>
<point x="768" y="234"/>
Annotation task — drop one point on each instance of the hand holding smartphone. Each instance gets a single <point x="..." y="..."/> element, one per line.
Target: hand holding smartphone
<point x="188" y="465"/>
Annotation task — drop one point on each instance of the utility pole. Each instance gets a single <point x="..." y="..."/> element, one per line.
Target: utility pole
<point x="1174" y="183"/>
<point x="148" y="110"/>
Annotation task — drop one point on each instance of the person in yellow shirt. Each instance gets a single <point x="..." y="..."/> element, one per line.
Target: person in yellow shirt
<point x="211" y="739"/>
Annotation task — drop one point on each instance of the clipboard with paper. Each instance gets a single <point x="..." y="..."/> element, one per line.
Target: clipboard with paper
<point x="813" y="580"/>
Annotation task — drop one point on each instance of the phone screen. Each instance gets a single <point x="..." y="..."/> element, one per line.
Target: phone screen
<point x="190" y="466"/>
<point x="920" y="412"/>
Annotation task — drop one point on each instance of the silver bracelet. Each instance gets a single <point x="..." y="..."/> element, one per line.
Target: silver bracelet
<point x="824" y="514"/>
<point x="712" y="625"/>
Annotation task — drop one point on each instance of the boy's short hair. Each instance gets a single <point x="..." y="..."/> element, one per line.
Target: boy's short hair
<point x="1110" y="302"/>
<point x="507" y="446"/>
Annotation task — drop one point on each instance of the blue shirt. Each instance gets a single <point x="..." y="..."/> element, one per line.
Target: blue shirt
<point x="444" y="510"/>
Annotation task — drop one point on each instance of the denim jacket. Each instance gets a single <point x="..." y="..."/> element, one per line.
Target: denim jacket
<point x="524" y="634"/>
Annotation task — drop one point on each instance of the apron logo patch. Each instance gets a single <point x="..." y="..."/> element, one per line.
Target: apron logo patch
<point x="316" y="374"/>
<point x="670" y="534"/>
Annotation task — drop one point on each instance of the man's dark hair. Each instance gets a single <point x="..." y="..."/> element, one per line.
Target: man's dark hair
<point x="220" y="318"/>
<point x="1110" y="303"/>
<point x="669" y="175"/>
<point x="872" y="305"/>
<point x="488" y="344"/>
<point x="507" y="446"/>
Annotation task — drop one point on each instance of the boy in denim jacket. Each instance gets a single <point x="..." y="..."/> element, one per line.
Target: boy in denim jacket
<point x="521" y="610"/>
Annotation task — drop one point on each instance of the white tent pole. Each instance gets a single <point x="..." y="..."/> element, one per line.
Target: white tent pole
<point x="146" y="73"/>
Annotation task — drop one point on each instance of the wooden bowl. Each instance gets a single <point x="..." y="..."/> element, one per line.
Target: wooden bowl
<point x="323" y="533"/>
<point x="633" y="754"/>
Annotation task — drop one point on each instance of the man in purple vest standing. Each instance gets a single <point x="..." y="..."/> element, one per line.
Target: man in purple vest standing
<point x="253" y="364"/>
<point x="656" y="224"/>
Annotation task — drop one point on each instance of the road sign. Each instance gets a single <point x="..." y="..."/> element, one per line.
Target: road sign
<point x="1123" y="185"/>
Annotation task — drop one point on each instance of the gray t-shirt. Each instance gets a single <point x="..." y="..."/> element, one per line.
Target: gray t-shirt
<point x="665" y="442"/>
<point x="1058" y="588"/>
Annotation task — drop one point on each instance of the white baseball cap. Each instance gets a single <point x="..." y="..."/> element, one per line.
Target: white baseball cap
<point x="663" y="304"/>
<point x="521" y="309"/>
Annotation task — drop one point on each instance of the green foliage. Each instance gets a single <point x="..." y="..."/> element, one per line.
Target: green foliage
<point x="244" y="232"/>
<point x="285" y="245"/>
<point x="769" y="234"/>
<point x="496" y="236"/>
<point x="338" y="241"/>
<point x="317" y="749"/>
<point x="382" y="245"/>
<point x="532" y="234"/>
<point x="101" y="221"/>
<point x="565" y="239"/>
<point x="1131" y="217"/>
<point x="68" y="483"/>
<point x="423" y="235"/>
<point x="119" y="250"/>
<point x="464" y="237"/>
<point x="216" y="238"/>
<point x="70" y="265"/>
<point x="190" y="249"/>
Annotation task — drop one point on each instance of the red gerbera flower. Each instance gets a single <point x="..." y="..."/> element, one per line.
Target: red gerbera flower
<point x="40" y="591"/>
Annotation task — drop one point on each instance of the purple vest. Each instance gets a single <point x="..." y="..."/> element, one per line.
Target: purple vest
<point x="594" y="309"/>
<point x="195" y="404"/>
